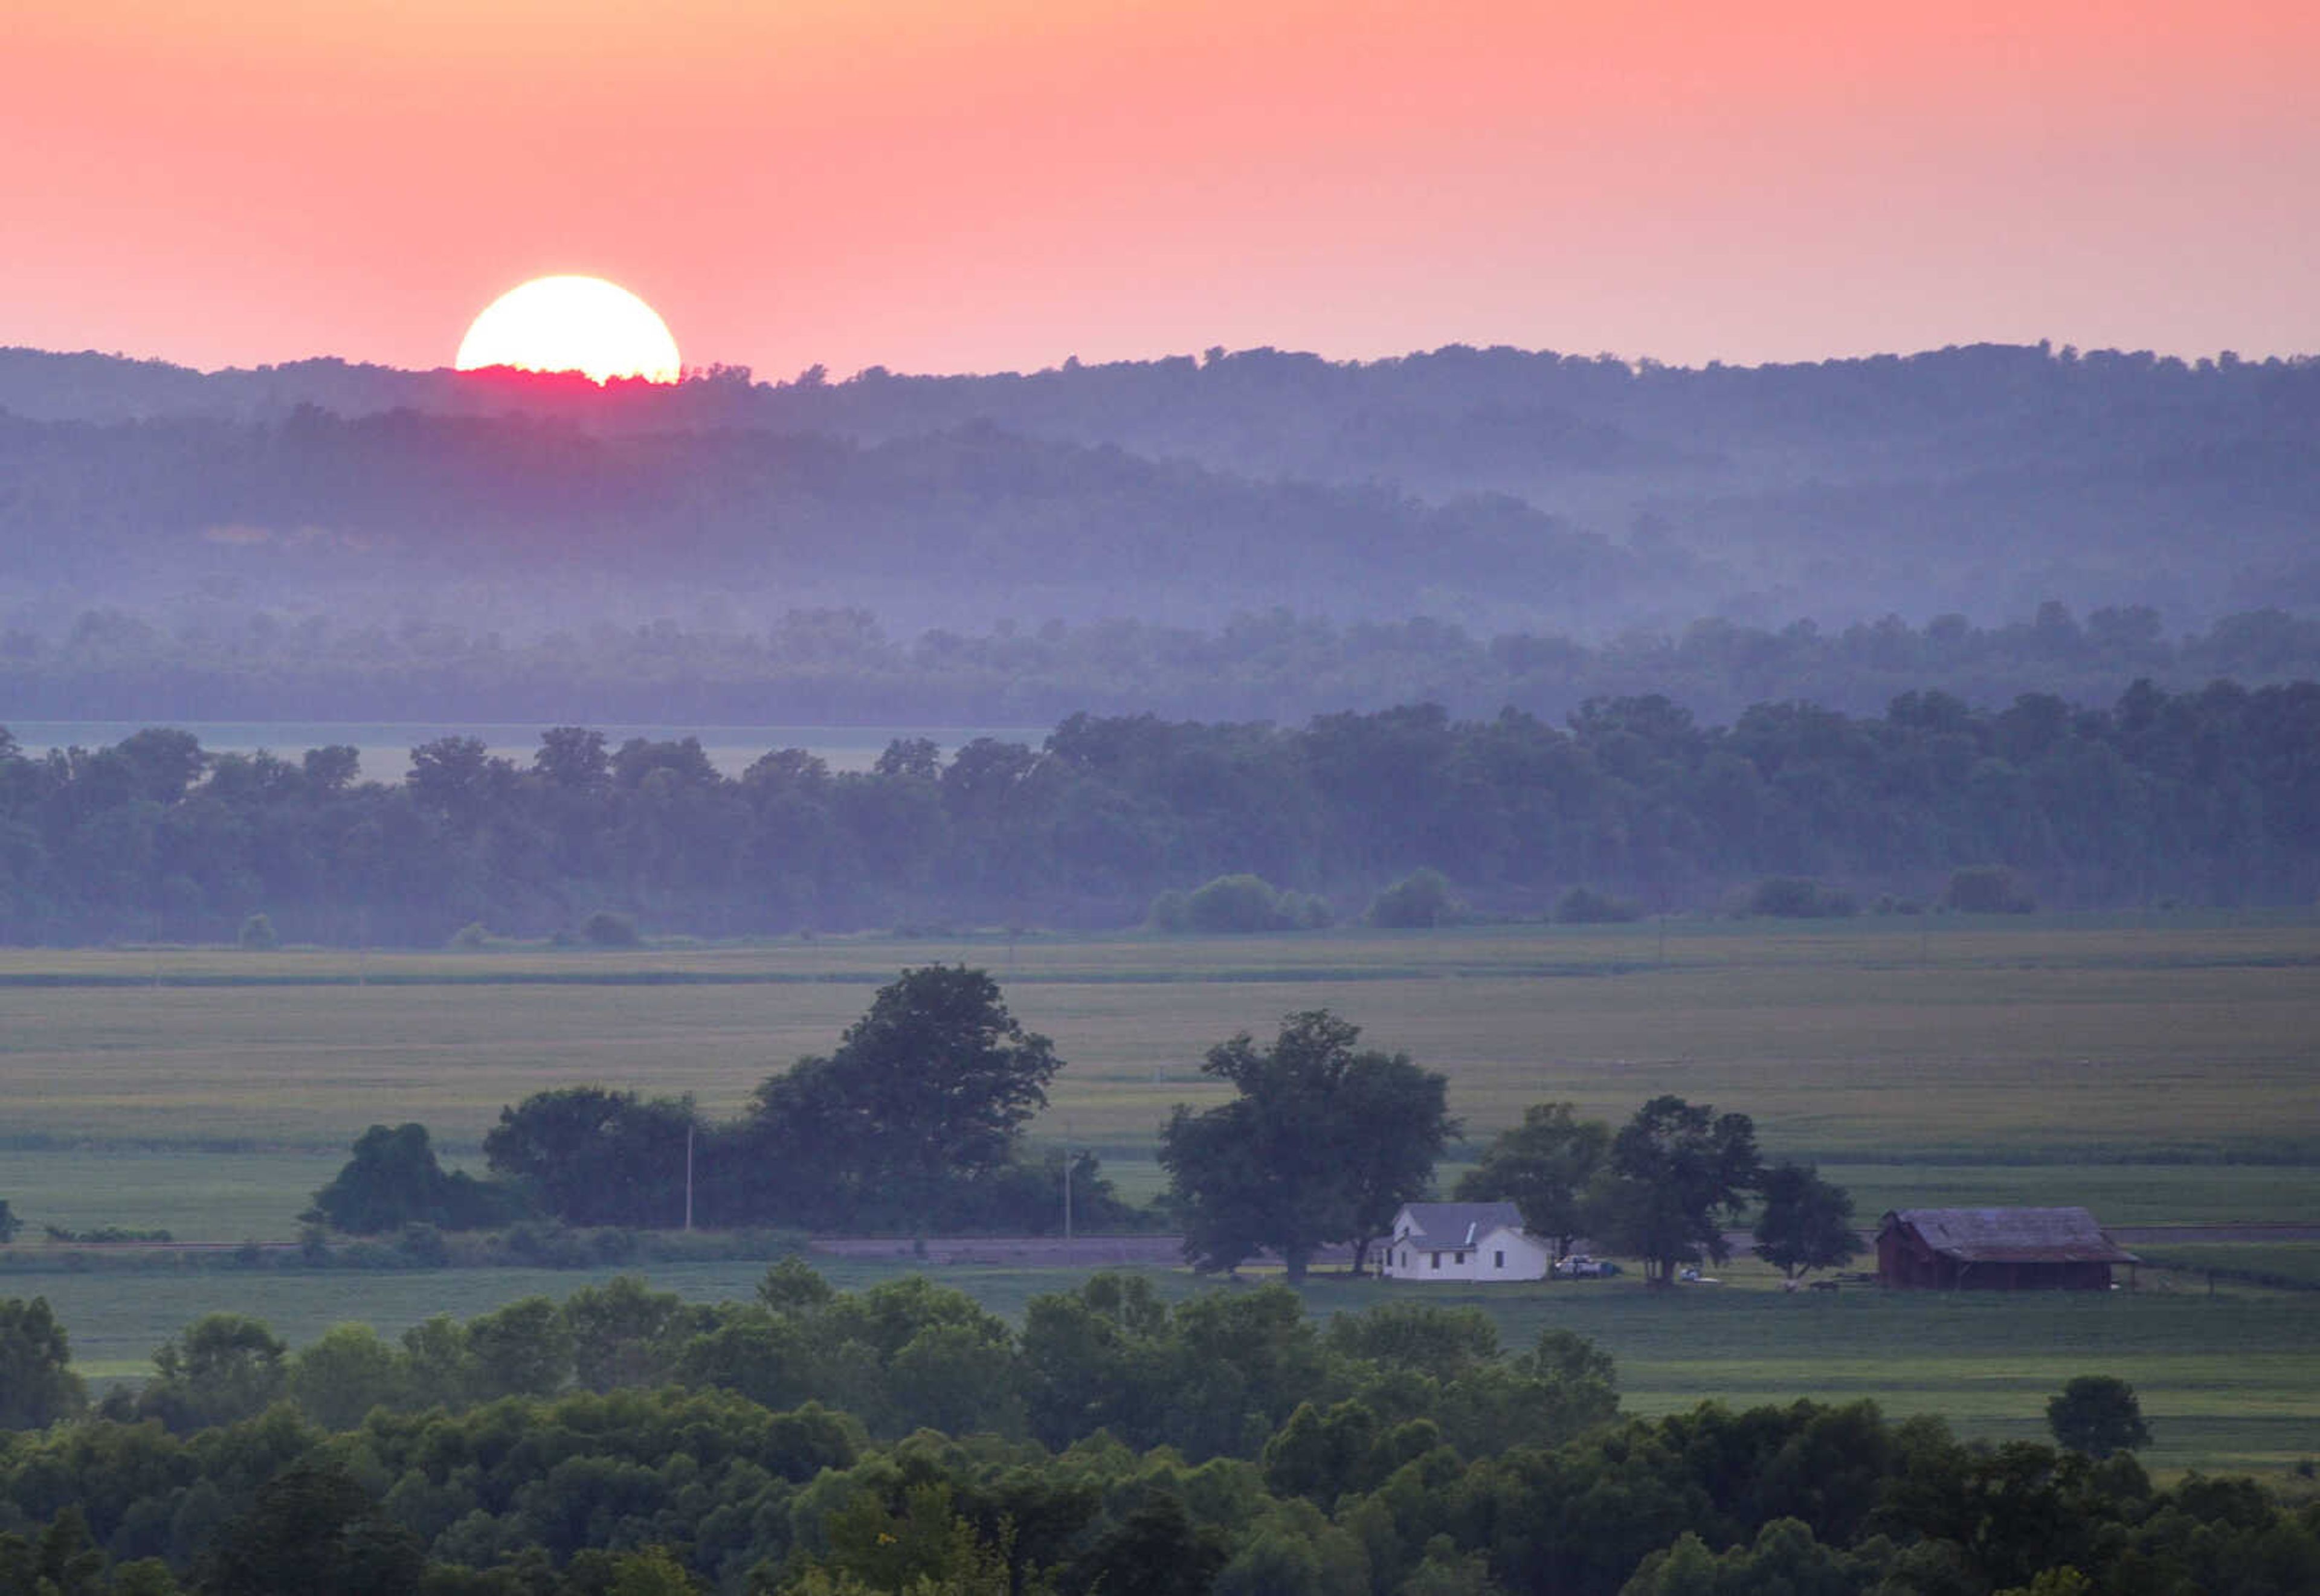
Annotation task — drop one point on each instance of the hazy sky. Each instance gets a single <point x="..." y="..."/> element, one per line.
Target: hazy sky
<point x="949" y="184"/>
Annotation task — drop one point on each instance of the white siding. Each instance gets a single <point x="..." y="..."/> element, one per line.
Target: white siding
<point x="1498" y="1255"/>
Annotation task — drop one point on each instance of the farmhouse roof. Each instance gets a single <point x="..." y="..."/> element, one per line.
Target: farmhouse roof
<point x="2011" y="1235"/>
<point x="1459" y="1224"/>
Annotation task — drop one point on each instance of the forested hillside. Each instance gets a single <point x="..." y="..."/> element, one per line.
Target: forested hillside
<point x="1501" y="489"/>
<point x="2212" y="797"/>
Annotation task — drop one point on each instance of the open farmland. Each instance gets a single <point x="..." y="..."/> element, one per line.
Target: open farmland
<point x="2155" y="1071"/>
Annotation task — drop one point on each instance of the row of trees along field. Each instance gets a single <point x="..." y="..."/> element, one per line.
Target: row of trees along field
<point x="914" y="1124"/>
<point x="902" y="1441"/>
<point x="840" y="667"/>
<point x="2211" y="796"/>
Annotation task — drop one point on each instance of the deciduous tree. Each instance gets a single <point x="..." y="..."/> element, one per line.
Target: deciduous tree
<point x="1673" y="1174"/>
<point x="1322" y="1144"/>
<point x="1547" y="1167"/>
<point x="2097" y="1414"/>
<point x="1807" y="1223"/>
<point x="37" y="1384"/>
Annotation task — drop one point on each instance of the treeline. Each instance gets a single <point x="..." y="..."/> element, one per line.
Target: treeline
<point x="841" y="667"/>
<point x="912" y="1123"/>
<point x="902" y="1440"/>
<point x="2212" y="797"/>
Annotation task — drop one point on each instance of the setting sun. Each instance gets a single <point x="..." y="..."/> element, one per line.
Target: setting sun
<point x="572" y="324"/>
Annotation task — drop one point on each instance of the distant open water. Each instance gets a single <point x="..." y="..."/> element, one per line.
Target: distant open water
<point x="385" y="746"/>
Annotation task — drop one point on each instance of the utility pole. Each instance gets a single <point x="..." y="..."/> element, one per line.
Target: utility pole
<point x="688" y="1175"/>
<point x="1067" y="1193"/>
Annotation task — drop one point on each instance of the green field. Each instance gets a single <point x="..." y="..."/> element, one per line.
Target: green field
<point x="2153" y="1071"/>
<point x="2288" y="1264"/>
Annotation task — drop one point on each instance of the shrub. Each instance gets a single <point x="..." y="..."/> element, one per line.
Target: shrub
<point x="1584" y="906"/>
<point x="1235" y="903"/>
<point x="610" y="928"/>
<point x="258" y="934"/>
<point x="1308" y="912"/>
<point x="1422" y="898"/>
<point x="2098" y="1415"/>
<point x="1171" y="913"/>
<point x="1799" y="897"/>
<point x="471" y="937"/>
<point x="1986" y="889"/>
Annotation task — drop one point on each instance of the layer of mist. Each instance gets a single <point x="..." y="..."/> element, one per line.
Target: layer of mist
<point x="1504" y="493"/>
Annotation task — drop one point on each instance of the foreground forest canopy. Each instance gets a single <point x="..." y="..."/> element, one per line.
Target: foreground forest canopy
<point x="902" y="1439"/>
<point x="2211" y="797"/>
<point x="1509" y="491"/>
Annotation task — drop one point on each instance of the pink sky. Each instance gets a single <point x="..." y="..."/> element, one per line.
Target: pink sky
<point x="937" y="185"/>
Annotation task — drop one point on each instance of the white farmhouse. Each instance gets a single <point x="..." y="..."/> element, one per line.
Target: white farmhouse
<point x="1463" y="1241"/>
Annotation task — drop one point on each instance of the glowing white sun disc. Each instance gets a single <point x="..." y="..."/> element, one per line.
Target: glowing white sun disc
<point x="568" y="324"/>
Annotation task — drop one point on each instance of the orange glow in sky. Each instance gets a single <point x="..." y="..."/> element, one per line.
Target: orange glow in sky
<point x="936" y="186"/>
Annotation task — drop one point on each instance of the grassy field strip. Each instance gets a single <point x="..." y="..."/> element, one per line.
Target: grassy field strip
<point x="2138" y="942"/>
<point x="2116" y="1194"/>
<point x="2017" y="1064"/>
<point x="1931" y="1063"/>
<point x="193" y="1196"/>
<point x="2277" y="1260"/>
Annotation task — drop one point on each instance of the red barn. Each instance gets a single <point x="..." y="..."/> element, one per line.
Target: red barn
<point x="1999" y="1249"/>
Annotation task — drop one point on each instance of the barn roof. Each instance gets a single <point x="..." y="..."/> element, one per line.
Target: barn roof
<point x="1460" y="1224"/>
<point x="2011" y="1235"/>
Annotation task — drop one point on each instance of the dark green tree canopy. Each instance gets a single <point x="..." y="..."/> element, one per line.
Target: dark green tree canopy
<point x="1546" y="1167"/>
<point x="2206" y="795"/>
<point x="592" y="1156"/>
<point x="2098" y="1415"/>
<point x="1322" y="1143"/>
<point x="1674" y="1173"/>
<point x="221" y="1367"/>
<point x="394" y="1180"/>
<point x="937" y="1079"/>
<point x="37" y="1384"/>
<point x="313" y="1527"/>
<point x="1807" y="1223"/>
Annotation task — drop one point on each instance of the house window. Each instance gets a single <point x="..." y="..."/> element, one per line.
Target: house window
<point x="1437" y="1260"/>
<point x="1459" y="1258"/>
<point x="1498" y="1260"/>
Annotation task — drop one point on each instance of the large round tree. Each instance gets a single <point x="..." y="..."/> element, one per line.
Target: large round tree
<point x="1675" y="1173"/>
<point x="1323" y="1143"/>
<point x="932" y="1086"/>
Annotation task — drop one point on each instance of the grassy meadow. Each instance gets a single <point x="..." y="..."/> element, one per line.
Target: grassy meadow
<point x="2153" y="1071"/>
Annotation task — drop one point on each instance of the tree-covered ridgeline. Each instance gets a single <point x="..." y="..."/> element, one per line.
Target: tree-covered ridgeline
<point x="902" y="1439"/>
<point x="1520" y="489"/>
<point x="2209" y="797"/>
<point x="842" y="666"/>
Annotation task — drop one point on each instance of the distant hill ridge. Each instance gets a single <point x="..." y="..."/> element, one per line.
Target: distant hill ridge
<point x="1501" y="488"/>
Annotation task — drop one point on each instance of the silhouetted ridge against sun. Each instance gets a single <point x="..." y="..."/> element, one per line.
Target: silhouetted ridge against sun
<point x="572" y="324"/>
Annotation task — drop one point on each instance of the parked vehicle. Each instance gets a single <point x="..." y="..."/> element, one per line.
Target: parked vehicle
<point x="1580" y="1266"/>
